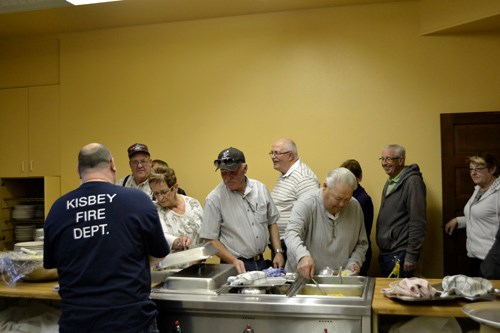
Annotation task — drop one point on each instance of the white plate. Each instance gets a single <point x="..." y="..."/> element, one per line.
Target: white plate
<point x="487" y="313"/>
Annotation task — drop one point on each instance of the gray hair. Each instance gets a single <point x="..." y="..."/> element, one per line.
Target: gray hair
<point x="341" y="176"/>
<point x="93" y="156"/>
<point x="400" y="150"/>
<point x="290" y="146"/>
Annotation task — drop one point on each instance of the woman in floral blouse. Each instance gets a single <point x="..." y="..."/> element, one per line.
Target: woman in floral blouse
<point x="180" y="215"/>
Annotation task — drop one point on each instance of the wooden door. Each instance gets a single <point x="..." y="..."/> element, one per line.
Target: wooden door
<point x="44" y="131"/>
<point x="462" y="135"/>
<point x="14" y="106"/>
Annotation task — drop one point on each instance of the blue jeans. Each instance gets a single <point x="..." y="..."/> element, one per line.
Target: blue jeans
<point x="386" y="263"/>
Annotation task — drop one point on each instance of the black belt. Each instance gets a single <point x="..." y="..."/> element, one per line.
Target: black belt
<point x="258" y="257"/>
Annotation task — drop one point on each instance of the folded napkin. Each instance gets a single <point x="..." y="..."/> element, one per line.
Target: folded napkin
<point x="412" y="287"/>
<point x="253" y="277"/>
<point x="463" y="285"/>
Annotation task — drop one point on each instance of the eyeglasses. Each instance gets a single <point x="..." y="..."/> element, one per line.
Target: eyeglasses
<point x="229" y="162"/>
<point x="277" y="153"/>
<point x="478" y="170"/>
<point x="157" y="195"/>
<point x="387" y="159"/>
<point x="141" y="162"/>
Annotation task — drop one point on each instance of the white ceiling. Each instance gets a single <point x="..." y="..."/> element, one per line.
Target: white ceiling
<point x="24" y="18"/>
<point x="12" y="6"/>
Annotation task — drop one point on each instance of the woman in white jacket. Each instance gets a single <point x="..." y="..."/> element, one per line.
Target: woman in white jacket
<point x="481" y="211"/>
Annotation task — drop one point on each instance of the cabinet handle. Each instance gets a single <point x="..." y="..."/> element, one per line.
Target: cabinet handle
<point x="22" y="166"/>
<point x="31" y="165"/>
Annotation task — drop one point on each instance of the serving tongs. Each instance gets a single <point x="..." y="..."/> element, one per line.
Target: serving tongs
<point x="317" y="286"/>
<point x="296" y="285"/>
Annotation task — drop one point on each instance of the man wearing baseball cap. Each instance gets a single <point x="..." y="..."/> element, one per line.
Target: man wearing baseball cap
<point x="140" y="165"/>
<point x="239" y="216"/>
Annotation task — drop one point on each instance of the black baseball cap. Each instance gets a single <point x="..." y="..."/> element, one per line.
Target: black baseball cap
<point x="138" y="148"/>
<point x="230" y="159"/>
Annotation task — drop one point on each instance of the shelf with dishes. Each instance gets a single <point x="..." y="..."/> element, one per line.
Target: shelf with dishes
<point x="24" y="204"/>
<point x="27" y="221"/>
<point x="27" y="216"/>
<point x="23" y="211"/>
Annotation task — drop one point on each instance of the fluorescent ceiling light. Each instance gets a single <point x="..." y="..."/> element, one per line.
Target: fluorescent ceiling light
<point x="88" y="2"/>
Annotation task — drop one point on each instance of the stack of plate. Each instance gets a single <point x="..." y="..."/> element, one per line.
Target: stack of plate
<point x="33" y="246"/>
<point x="38" y="212"/>
<point x="23" y="212"/>
<point x="38" y="236"/>
<point x="24" y="232"/>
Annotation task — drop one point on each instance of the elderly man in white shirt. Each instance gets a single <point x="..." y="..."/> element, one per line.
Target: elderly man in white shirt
<point x="295" y="179"/>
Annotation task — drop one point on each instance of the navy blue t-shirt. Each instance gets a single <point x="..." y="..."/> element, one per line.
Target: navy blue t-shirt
<point x="99" y="237"/>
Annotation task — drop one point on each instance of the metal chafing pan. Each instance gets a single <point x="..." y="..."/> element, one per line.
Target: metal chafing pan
<point x="199" y="278"/>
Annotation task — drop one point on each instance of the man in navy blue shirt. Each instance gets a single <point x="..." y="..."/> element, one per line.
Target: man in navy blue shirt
<point x="102" y="239"/>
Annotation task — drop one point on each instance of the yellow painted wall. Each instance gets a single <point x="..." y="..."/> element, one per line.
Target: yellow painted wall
<point x="342" y="82"/>
<point x="31" y="62"/>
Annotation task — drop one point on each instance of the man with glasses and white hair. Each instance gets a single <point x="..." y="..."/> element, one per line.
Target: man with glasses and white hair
<point x="140" y="165"/>
<point x="239" y="217"/>
<point x="401" y="222"/>
<point x="326" y="228"/>
<point x="295" y="179"/>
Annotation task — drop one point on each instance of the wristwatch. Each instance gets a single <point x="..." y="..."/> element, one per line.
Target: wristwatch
<point x="279" y="251"/>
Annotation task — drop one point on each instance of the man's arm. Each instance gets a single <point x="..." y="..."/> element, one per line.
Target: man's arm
<point x="153" y="261"/>
<point x="224" y="254"/>
<point x="274" y="237"/>
<point x="294" y="237"/>
<point x="358" y="255"/>
<point x="417" y="221"/>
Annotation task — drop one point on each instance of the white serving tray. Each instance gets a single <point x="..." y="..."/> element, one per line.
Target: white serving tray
<point x="200" y="252"/>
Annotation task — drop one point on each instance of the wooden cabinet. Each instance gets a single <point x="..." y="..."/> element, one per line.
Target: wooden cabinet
<point x="30" y="131"/>
<point x="25" y="190"/>
<point x="14" y="105"/>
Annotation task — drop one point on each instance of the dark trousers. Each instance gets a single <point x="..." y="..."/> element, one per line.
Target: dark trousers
<point x="387" y="262"/>
<point x="366" y="265"/>
<point x="251" y="265"/>
<point x="475" y="267"/>
<point x="153" y="328"/>
<point x="254" y="265"/>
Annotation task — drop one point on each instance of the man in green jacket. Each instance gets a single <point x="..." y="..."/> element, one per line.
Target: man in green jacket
<point x="401" y="222"/>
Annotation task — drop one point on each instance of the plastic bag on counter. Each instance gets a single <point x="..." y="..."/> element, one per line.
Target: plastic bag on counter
<point x="33" y="317"/>
<point x="16" y="265"/>
<point x="253" y="277"/>
<point x="466" y="286"/>
<point x="428" y="325"/>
